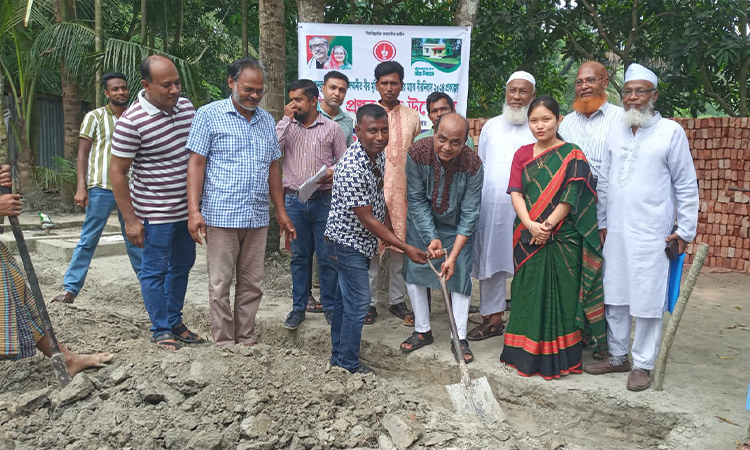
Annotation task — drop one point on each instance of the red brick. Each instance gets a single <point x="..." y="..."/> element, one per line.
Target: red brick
<point x="725" y="263"/>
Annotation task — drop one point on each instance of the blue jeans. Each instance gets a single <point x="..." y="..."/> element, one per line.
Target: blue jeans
<point x="168" y="256"/>
<point x="350" y="304"/>
<point x="309" y="219"/>
<point x="101" y="204"/>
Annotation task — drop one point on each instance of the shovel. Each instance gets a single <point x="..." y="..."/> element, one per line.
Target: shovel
<point x="473" y="396"/>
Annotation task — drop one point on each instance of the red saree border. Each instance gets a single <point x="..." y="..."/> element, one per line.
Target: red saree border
<point x="543" y="347"/>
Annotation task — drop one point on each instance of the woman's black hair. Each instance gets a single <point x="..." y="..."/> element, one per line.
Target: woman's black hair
<point x="549" y="103"/>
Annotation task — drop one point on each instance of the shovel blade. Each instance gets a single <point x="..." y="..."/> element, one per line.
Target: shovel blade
<point x="476" y="397"/>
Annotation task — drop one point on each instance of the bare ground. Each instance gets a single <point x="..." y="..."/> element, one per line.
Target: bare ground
<point x="281" y="395"/>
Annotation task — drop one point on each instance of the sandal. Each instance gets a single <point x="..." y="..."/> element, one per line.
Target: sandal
<point x="314" y="306"/>
<point x="164" y="341"/>
<point x="402" y="312"/>
<point x="191" y="338"/>
<point x="417" y="341"/>
<point x="371" y="315"/>
<point x="465" y="351"/>
<point x="485" y="330"/>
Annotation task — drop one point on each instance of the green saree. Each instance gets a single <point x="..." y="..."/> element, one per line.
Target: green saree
<point x="557" y="288"/>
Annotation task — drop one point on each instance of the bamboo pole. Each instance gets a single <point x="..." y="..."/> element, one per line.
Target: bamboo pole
<point x="98" y="49"/>
<point x="679" y="310"/>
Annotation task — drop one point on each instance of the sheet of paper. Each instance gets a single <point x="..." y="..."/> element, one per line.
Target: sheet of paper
<point x="310" y="186"/>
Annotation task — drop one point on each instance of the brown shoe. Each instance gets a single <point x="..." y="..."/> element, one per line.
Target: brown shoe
<point x="639" y="380"/>
<point x="604" y="366"/>
<point x="65" y="297"/>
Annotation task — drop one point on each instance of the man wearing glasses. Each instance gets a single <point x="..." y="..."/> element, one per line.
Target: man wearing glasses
<point x="647" y="181"/>
<point x="319" y="49"/>
<point x="589" y="123"/>
<point x="235" y="162"/>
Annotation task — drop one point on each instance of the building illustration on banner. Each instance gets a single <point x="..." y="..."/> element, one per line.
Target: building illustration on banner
<point x="443" y="54"/>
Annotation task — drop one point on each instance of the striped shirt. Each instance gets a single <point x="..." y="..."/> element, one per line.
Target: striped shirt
<point x="306" y="150"/>
<point x="155" y="141"/>
<point x="345" y="121"/>
<point x="590" y="133"/>
<point x="97" y="127"/>
<point x="238" y="156"/>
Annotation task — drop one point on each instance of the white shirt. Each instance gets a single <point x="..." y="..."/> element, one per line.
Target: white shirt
<point x="647" y="180"/>
<point x="590" y="133"/>
<point x="493" y="247"/>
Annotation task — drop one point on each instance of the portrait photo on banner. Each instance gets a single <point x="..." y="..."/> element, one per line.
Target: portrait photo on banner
<point x="329" y="52"/>
<point x="442" y="54"/>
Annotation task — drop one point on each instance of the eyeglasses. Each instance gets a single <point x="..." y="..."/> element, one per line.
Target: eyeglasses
<point x="251" y="91"/>
<point x="314" y="46"/>
<point x="589" y="81"/>
<point x="638" y="92"/>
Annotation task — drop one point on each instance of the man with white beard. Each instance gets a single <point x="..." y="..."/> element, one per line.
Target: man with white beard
<point x="647" y="180"/>
<point x="493" y="249"/>
<point x="591" y="120"/>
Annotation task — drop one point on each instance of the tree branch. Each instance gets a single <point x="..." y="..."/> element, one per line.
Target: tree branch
<point x="631" y="36"/>
<point x="600" y="26"/>
<point x="577" y="46"/>
<point x="710" y="93"/>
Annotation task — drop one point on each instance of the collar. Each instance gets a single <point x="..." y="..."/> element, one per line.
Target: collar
<point x="389" y="109"/>
<point x="318" y="121"/>
<point x="152" y="110"/>
<point x="322" y="111"/>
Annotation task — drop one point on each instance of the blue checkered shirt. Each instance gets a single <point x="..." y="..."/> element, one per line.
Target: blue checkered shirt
<point x="238" y="155"/>
<point x="356" y="184"/>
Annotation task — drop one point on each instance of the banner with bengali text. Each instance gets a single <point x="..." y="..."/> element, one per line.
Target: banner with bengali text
<point x="434" y="59"/>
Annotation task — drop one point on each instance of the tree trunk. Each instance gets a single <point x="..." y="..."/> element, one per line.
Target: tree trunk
<point x="273" y="54"/>
<point x="311" y="11"/>
<point x="466" y="13"/>
<point x="244" y="28"/>
<point x="98" y="49"/>
<point x="178" y="29"/>
<point x="71" y="101"/>
<point x="144" y="20"/>
<point x="743" y="75"/>
<point x="165" y="37"/>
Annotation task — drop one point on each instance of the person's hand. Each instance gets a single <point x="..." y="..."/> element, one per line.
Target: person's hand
<point x="82" y="197"/>
<point x="681" y="244"/>
<point x="10" y="205"/>
<point x="289" y="110"/>
<point x="286" y="227"/>
<point x="539" y="233"/>
<point x="327" y="178"/>
<point x="603" y="235"/>
<point x="197" y="227"/>
<point x="135" y="232"/>
<point x="416" y="255"/>
<point x="6" y="176"/>
<point x="435" y="249"/>
<point x="448" y="268"/>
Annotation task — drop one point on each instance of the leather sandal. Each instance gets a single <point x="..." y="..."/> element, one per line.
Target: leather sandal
<point x="485" y="331"/>
<point x="402" y="312"/>
<point x="191" y="338"/>
<point x="465" y="351"/>
<point x="64" y="297"/>
<point x="371" y="315"/>
<point x="417" y="340"/>
<point x="314" y="306"/>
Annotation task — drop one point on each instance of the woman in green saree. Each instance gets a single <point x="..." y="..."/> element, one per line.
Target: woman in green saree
<point x="557" y="287"/>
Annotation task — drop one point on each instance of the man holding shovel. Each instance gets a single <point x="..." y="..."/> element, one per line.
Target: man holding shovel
<point x="21" y="325"/>
<point x="444" y="190"/>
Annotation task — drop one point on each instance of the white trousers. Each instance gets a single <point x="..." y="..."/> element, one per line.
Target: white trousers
<point x="492" y="297"/>
<point x="418" y="296"/>
<point x="646" y="341"/>
<point x="396" y="283"/>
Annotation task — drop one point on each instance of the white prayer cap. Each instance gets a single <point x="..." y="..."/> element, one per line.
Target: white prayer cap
<point x="638" y="72"/>
<point x="521" y="75"/>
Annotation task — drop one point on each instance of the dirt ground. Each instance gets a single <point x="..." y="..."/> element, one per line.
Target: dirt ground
<point x="280" y="394"/>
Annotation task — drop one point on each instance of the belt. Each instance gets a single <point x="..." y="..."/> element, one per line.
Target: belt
<point x="315" y="195"/>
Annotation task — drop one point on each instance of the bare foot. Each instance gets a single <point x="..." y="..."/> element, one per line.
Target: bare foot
<point x="77" y="363"/>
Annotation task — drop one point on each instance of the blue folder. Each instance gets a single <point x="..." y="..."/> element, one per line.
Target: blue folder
<point x="675" y="276"/>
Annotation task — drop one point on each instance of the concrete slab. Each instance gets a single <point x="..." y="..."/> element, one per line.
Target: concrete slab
<point x="30" y="221"/>
<point x="111" y="244"/>
<point x="33" y="237"/>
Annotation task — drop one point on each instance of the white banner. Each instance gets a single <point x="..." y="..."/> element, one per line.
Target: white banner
<point x="434" y="59"/>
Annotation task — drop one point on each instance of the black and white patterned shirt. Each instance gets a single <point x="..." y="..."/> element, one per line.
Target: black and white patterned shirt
<point x="356" y="182"/>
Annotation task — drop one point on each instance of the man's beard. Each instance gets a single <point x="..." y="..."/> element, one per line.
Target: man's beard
<point x="236" y="97"/>
<point x="515" y="116"/>
<point x="118" y="103"/>
<point x="639" y="117"/>
<point x="301" y="117"/>
<point x="591" y="104"/>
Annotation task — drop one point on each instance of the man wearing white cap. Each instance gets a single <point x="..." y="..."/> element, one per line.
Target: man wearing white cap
<point x="593" y="116"/>
<point x="493" y="248"/>
<point x="647" y="179"/>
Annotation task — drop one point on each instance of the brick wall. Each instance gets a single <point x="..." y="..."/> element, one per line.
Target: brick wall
<point x="721" y="151"/>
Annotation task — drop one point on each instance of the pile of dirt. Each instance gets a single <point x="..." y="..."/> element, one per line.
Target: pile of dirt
<point x="245" y="398"/>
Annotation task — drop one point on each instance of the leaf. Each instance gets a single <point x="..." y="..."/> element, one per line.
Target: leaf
<point x="724" y="419"/>
<point x="725" y="357"/>
<point x="741" y="325"/>
<point x="738" y="308"/>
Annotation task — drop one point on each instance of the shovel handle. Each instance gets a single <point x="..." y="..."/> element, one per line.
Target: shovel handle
<point x="452" y="320"/>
